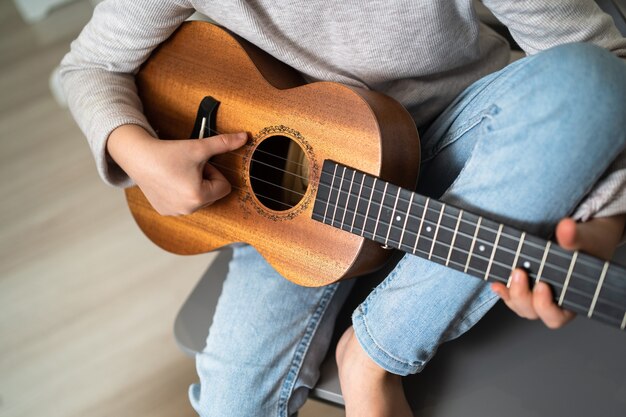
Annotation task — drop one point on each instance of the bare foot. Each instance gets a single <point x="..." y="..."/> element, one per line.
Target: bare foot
<point x="368" y="390"/>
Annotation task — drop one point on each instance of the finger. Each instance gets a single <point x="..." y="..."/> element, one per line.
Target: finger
<point x="214" y="185"/>
<point x="597" y="236"/>
<point x="547" y="310"/>
<point x="566" y="234"/>
<point x="501" y="290"/>
<point x="521" y="297"/>
<point x="223" y="143"/>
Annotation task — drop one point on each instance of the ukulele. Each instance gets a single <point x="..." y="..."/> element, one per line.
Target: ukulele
<point x="322" y="188"/>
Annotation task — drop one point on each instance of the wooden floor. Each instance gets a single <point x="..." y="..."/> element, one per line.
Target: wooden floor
<point x="87" y="303"/>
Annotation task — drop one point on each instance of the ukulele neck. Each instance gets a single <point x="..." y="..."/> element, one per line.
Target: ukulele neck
<point x="395" y="217"/>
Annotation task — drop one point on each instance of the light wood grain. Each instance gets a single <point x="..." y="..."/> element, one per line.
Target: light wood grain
<point x="87" y="303"/>
<point x="329" y="120"/>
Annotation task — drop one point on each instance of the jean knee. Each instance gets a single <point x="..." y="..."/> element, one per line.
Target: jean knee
<point x="583" y="88"/>
<point x="589" y="74"/>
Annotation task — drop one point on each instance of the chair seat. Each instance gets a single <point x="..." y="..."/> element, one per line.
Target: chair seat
<point x="503" y="366"/>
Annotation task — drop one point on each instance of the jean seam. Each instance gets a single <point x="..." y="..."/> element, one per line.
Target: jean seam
<point x="467" y="126"/>
<point x="412" y="365"/>
<point x="486" y="114"/>
<point x="465" y="317"/>
<point x="390" y="278"/>
<point x="300" y="352"/>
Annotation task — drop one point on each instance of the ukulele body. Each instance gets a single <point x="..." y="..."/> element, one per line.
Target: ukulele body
<point x="265" y="98"/>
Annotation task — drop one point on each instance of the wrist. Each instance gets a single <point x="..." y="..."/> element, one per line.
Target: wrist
<point x="126" y="145"/>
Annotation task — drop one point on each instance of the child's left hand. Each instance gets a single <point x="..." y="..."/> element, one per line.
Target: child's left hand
<point x="598" y="237"/>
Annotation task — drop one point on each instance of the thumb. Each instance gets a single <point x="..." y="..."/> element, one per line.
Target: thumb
<point x="223" y="143"/>
<point x="567" y="234"/>
<point x="594" y="237"/>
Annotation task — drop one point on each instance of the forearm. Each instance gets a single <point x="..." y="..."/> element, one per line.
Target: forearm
<point x="98" y="73"/>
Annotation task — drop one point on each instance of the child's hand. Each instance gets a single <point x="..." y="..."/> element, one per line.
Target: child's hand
<point x="598" y="237"/>
<point x="173" y="174"/>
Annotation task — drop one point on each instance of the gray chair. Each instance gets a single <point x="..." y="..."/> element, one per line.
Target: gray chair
<point x="504" y="366"/>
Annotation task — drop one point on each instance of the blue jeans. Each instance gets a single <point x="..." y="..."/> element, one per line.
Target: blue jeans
<point x="522" y="146"/>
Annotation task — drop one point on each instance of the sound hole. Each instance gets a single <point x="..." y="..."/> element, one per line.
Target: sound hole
<point x="279" y="173"/>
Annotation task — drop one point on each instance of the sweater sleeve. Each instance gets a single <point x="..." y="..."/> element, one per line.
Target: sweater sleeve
<point x="537" y="25"/>
<point x="608" y="197"/>
<point x="97" y="74"/>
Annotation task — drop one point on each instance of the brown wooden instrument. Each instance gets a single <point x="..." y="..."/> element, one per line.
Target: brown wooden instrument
<point x="270" y="101"/>
<point x="325" y="159"/>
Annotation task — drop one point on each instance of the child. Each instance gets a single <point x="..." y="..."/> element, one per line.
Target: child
<point x="522" y="143"/>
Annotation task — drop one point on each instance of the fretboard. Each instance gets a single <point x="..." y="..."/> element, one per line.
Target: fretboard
<point x="398" y="218"/>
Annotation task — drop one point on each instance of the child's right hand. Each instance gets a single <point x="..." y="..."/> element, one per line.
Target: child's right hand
<point x="173" y="174"/>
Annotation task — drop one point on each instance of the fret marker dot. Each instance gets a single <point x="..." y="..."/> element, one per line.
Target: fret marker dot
<point x="481" y="248"/>
<point x="527" y="265"/>
<point x="429" y="229"/>
<point x="398" y="218"/>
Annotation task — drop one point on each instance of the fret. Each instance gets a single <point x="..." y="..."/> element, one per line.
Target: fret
<point x="471" y="250"/>
<point x="400" y="218"/>
<point x="357" y="212"/>
<point x="615" y="283"/>
<point x="493" y="252"/>
<point x="611" y="304"/>
<point x="504" y="260"/>
<point x="343" y="173"/>
<point x="444" y="234"/>
<point x="406" y="218"/>
<point x="369" y="206"/>
<point x="598" y="288"/>
<point x="330" y="194"/>
<point x="543" y="261"/>
<point x="413" y="220"/>
<point x="484" y="248"/>
<point x="381" y="209"/>
<point x="460" y="251"/>
<point x="428" y="230"/>
<point x="454" y="234"/>
<point x="558" y="262"/>
<point x="362" y="204"/>
<point x="517" y="253"/>
<point x="567" y="279"/>
<point x="422" y="221"/>
<point x="343" y="200"/>
<point x="392" y="217"/>
<point x="432" y="247"/>
<point x="583" y="282"/>
<point x="348" y="208"/>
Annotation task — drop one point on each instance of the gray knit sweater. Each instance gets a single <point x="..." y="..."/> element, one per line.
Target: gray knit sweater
<point x="421" y="52"/>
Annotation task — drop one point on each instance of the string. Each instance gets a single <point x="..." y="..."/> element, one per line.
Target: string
<point x="277" y="169"/>
<point x="546" y="279"/>
<point x="432" y="223"/>
<point x="366" y="187"/>
<point x="236" y="171"/>
<point x="529" y="243"/>
<point x="391" y="225"/>
<point x="555" y="284"/>
<point x="557" y="268"/>
<point x="234" y="152"/>
<point x="447" y="215"/>
<point x="549" y="280"/>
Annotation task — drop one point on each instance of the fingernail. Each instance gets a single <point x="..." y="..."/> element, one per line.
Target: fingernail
<point x="517" y="276"/>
